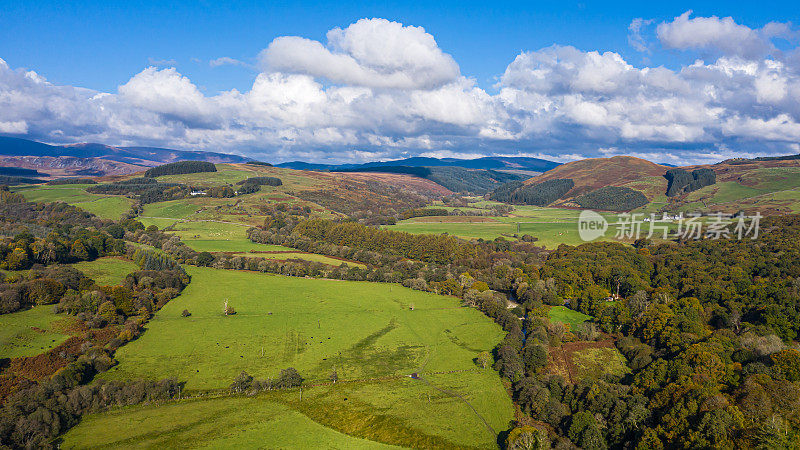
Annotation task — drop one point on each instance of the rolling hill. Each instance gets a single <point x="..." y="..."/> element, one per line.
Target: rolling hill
<point x="592" y="174"/>
<point x="768" y="185"/>
<point x="598" y="183"/>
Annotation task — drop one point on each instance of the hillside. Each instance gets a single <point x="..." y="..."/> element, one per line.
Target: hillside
<point x="456" y="179"/>
<point x="587" y="184"/>
<point x="594" y="173"/>
<point x="769" y="185"/>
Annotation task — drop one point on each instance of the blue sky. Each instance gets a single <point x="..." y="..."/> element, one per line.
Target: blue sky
<point x="98" y="44"/>
<point x="102" y="46"/>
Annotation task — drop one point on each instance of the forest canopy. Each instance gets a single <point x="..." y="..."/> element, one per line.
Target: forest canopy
<point x="541" y="194"/>
<point x="612" y="198"/>
<point x="180" y="167"/>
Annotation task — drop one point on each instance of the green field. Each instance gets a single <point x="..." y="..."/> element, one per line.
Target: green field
<point x="551" y="226"/>
<point x="30" y="332"/>
<point x="105" y="206"/>
<point x="305" y="323"/>
<point x="363" y="330"/>
<point x="233" y="173"/>
<point x="404" y="412"/>
<point x="211" y="236"/>
<point x="290" y="253"/>
<point x="567" y="316"/>
<point x="108" y="271"/>
<point x="225" y="422"/>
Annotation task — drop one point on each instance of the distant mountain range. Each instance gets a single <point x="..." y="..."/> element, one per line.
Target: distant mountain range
<point x="489" y="162"/>
<point x="143" y="156"/>
<point x="92" y="159"/>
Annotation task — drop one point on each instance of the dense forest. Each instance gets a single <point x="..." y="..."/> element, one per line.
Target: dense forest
<point x="541" y="194"/>
<point x="10" y="180"/>
<point x="180" y="167"/>
<point x="612" y="198"/>
<point x="681" y="181"/>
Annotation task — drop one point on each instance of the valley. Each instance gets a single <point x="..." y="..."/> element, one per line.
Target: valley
<point x="366" y="309"/>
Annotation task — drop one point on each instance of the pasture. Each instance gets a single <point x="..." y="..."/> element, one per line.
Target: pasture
<point x="235" y="422"/>
<point x="30" y="332"/>
<point x="363" y="331"/>
<point x="371" y="414"/>
<point x="230" y="174"/>
<point x="304" y="323"/>
<point x="567" y="316"/>
<point x="104" y="206"/>
<point x="214" y="236"/>
<point x="109" y="271"/>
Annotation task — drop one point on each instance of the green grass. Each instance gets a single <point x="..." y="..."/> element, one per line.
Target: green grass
<point x="30" y="332"/>
<point x="482" y="230"/>
<point x="210" y="236"/>
<point x="294" y="254"/>
<point x="105" y="206"/>
<point x="238" y="422"/>
<point x="363" y="330"/>
<point x="551" y="226"/>
<point x="372" y="331"/>
<point x="233" y="173"/>
<point x="404" y="412"/>
<point x="593" y="363"/>
<point x="107" y="271"/>
<point x="567" y="316"/>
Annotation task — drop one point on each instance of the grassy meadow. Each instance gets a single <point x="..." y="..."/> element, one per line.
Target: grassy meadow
<point x="105" y="206"/>
<point x="374" y="414"/>
<point x="367" y="332"/>
<point x="304" y="323"/>
<point x="109" y="271"/>
<point x="551" y="226"/>
<point x="567" y="316"/>
<point x="30" y="332"/>
<point x="238" y="422"/>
